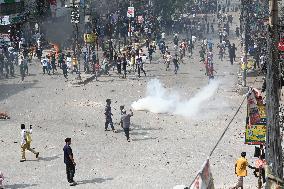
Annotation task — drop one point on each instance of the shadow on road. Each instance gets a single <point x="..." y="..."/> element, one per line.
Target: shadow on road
<point x="139" y="127"/>
<point x="141" y="139"/>
<point x="16" y="186"/>
<point x="7" y="90"/>
<point x="49" y="158"/>
<point x="93" y="181"/>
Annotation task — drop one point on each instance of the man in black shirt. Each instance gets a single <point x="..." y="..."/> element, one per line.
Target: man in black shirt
<point x="69" y="161"/>
<point x="108" y="116"/>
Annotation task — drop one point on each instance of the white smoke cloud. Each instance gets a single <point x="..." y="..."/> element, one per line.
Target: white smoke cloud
<point x="160" y="100"/>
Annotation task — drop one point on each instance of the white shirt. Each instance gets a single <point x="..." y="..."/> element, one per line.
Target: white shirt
<point x="163" y="35"/>
<point x="44" y="62"/>
<point x="168" y="58"/>
<point x="24" y="135"/>
<point x="68" y="59"/>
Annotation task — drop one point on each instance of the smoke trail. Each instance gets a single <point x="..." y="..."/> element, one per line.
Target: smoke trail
<point x="160" y="100"/>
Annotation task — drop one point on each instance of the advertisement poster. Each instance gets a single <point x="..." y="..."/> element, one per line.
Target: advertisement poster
<point x="255" y="132"/>
<point x="253" y="112"/>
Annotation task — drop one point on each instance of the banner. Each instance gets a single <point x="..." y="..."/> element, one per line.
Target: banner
<point x="253" y="112"/>
<point x="204" y="179"/>
<point x="256" y="120"/>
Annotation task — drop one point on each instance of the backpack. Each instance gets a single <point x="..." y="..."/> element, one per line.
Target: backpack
<point x="29" y="137"/>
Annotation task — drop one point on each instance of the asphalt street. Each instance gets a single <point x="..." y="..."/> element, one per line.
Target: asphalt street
<point x="166" y="150"/>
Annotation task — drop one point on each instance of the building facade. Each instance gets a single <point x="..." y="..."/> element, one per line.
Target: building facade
<point x="12" y="16"/>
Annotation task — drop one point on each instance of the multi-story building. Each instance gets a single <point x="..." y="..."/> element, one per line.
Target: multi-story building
<point x="12" y="16"/>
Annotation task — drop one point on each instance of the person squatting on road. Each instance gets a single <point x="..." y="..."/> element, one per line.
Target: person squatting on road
<point x="125" y="119"/>
<point x="26" y="142"/>
<point x="108" y="116"/>
<point x="69" y="162"/>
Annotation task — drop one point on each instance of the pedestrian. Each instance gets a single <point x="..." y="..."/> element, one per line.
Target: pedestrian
<point x="121" y="113"/>
<point x="75" y="64"/>
<point x="150" y="52"/>
<point x="108" y="116"/>
<point x="64" y="69"/>
<point x="118" y="65"/>
<point x="237" y="32"/>
<point x="68" y="60"/>
<point x="124" y="66"/>
<point x="49" y="66"/>
<point x="22" y="69"/>
<point x="260" y="169"/>
<point x="221" y="51"/>
<point x="26" y="67"/>
<point x="53" y="63"/>
<point x="140" y="66"/>
<point x="241" y="170"/>
<point x="176" y="63"/>
<point x="1" y="180"/>
<point x="44" y="63"/>
<point x="69" y="162"/>
<point x="26" y="142"/>
<point x="125" y="118"/>
<point x="61" y="58"/>
<point x="168" y="60"/>
<point x="232" y="53"/>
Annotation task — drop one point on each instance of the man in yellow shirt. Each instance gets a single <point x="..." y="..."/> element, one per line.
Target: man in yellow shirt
<point x="241" y="170"/>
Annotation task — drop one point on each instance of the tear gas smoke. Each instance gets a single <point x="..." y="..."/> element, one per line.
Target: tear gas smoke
<point x="160" y="100"/>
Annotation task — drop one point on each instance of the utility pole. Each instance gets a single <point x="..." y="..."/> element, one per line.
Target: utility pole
<point x="273" y="137"/>
<point x="75" y="18"/>
<point x="245" y="24"/>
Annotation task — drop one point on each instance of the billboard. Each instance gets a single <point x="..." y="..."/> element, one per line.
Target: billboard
<point x="255" y="132"/>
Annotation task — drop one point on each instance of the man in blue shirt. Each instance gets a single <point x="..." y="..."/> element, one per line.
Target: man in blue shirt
<point x="69" y="161"/>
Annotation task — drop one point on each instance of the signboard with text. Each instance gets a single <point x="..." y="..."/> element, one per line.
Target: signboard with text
<point x="255" y="132"/>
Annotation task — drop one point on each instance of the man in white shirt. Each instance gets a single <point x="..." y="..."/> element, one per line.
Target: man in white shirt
<point x="26" y="142"/>
<point x="44" y="63"/>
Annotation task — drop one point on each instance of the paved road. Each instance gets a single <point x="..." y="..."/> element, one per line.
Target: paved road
<point x="165" y="151"/>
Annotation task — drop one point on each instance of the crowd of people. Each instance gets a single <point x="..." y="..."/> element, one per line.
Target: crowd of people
<point x="146" y="40"/>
